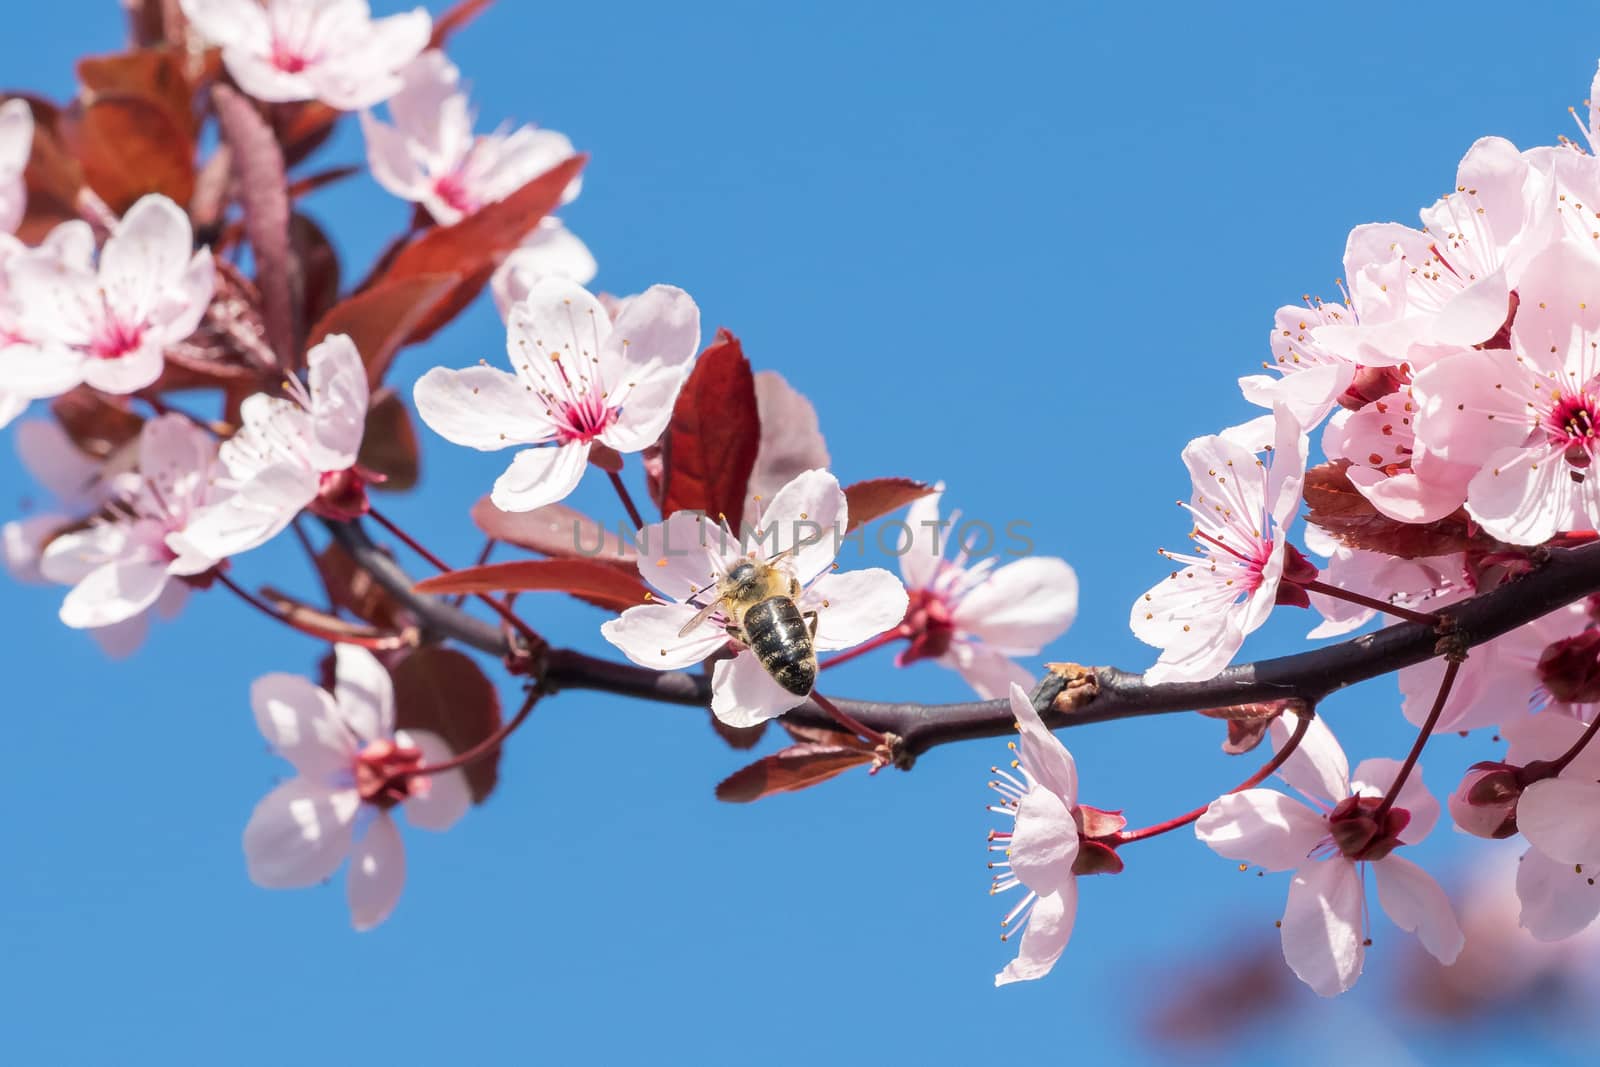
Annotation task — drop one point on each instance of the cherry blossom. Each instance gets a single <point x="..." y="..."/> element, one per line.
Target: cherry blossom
<point x="16" y="145"/>
<point x="1242" y="506"/>
<point x="578" y="379"/>
<point x="78" y="484"/>
<point x="1040" y="852"/>
<point x="683" y="558"/>
<point x="1447" y="286"/>
<point x="1328" y="845"/>
<point x="1311" y="378"/>
<point x="431" y="157"/>
<point x="1398" y="474"/>
<point x="1558" y="818"/>
<point x="32" y="364"/>
<point x="133" y="556"/>
<point x="973" y="618"/>
<point x="354" y="769"/>
<point x="1419" y="584"/>
<point x="108" y="326"/>
<point x="292" y="453"/>
<point x="1527" y="420"/>
<point x="334" y="51"/>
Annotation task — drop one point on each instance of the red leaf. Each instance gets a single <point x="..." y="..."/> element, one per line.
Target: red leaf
<point x="97" y="424"/>
<point x="382" y="319"/>
<point x="319" y="265"/>
<point x="351" y="588"/>
<point x="53" y="176"/>
<point x="301" y="128"/>
<point x="599" y="583"/>
<point x="458" y="16"/>
<point x="794" y="768"/>
<point x="312" y="182"/>
<point x="128" y="148"/>
<point x="473" y="247"/>
<point x="389" y="445"/>
<point x="556" y="530"/>
<point x="445" y="691"/>
<point x="1337" y="507"/>
<point x="877" y="497"/>
<point x="263" y="193"/>
<point x="150" y="74"/>
<point x="710" y="445"/>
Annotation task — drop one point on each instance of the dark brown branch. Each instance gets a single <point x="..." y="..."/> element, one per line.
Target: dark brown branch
<point x="1566" y="576"/>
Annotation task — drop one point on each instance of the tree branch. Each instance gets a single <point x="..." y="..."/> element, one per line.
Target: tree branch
<point x="1098" y="694"/>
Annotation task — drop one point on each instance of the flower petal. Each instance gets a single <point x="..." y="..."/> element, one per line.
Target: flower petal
<point x="377" y="873"/>
<point x="1261" y="827"/>
<point x="990" y="673"/>
<point x="744" y="694"/>
<point x="649" y="636"/>
<point x="301" y="722"/>
<point x="1561" y="818"/>
<point x="1415" y="903"/>
<point x="447" y="796"/>
<point x="481" y="407"/>
<point x="1318" y="768"/>
<point x="810" y="511"/>
<point x="540" y="476"/>
<point x="1049" y="928"/>
<point x="1373" y="777"/>
<point x="364" y="693"/>
<point x="1043" y="755"/>
<point x="1557" y="900"/>
<point x="1321" y="926"/>
<point x="853" y="606"/>
<point x="299" y="834"/>
<point x="1022" y="606"/>
<point x="1044" y="844"/>
<point x="339" y="397"/>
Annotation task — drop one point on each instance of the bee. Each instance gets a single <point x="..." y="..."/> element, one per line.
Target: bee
<point x="758" y="601"/>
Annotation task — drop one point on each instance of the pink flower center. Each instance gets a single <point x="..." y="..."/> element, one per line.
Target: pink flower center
<point x="584" y="418"/>
<point x="1355" y="830"/>
<point x="116" y="339"/>
<point x="453" y="190"/>
<point x="342" y="495"/>
<point x="932" y="627"/>
<point x="1572" y="423"/>
<point x="288" y="57"/>
<point x="383" y="773"/>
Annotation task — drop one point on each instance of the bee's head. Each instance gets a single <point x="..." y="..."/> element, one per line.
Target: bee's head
<point x="744" y="579"/>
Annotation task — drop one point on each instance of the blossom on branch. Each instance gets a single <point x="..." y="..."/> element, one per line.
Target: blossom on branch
<point x="292" y="453"/>
<point x="107" y="325"/>
<point x="430" y="156"/>
<point x="1327" y="843"/>
<point x="683" y="559"/>
<point x="578" y="378"/>
<point x="354" y="769"/>
<point x="1557" y="817"/>
<point x="973" y="619"/>
<point x="1242" y="507"/>
<point x="16" y="145"/>
<point x="334" y="51"/>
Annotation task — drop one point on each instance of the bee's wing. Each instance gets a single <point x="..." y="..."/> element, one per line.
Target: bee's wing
<point x="699" y="618"/>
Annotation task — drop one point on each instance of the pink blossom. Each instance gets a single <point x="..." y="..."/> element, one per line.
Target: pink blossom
<point x="32" y="364"/>
<point x="1327" y="844"/>
<point x="1242" y="507"/>
<point x="431" y="157"/>
<point x="973" y="618"/>
<point x="1527" y="420"/>
<point x="121" y="564"/>
<point x="1041" y="850"/>
<point x="1419" y="584"/>
<point x="16" y="145"/>
<point x="683" y="558"/>
<point x="108" y="326"/>
<point x="77" y="483"/>
<point x="1447" y="286"/>
<point x="328" y="50"/>
<point x="1390" y="467"/>
<point x="1311" y="378"/>
<point x="291" y="453"/>
<point x="578" y="379"/>
<point x="353" y="771"/>
<point x="1560" y="819"/>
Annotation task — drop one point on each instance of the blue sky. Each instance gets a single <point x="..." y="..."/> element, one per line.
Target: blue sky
<point x="1024" y="249"/>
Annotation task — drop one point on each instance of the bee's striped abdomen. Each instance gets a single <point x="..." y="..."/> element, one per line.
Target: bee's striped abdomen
<point x="779" y="637"/>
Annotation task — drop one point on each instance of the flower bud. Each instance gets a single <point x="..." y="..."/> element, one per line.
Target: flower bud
<point x="1485" y="803"/>
<point x="1570" y="668"/>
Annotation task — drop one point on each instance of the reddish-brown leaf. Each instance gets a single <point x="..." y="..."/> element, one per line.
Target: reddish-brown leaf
<point x="458" y="16"/>
<point x="445" y="691"/>
<point x="351" y="588"/>
<point x="796" y="767"/>
<point x="389" y="445"/>
<point x="1338" y="508"/>
<point x="599" y="583"/>
<point x="473" y="247"/>
<point x="302" y="128"/>
<point x="258" y="168"/>
<point x="53" y="175"/>
<point x="97" y="424"/>
<point x="557" y="530"/>
<point x="710" y="445"/>
<point x="299" y="611"/>
<point x="319" y="265"/>
<point x="877" y="497"/>
<point x="128" y="148"/>
<point x="154" y="75"/>
<point x="382" y="319"/>
<point x="312" y="182"/>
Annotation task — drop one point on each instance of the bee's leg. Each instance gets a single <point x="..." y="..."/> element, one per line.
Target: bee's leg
<point x="794" y="588"/>
<point x="813" y="617"/>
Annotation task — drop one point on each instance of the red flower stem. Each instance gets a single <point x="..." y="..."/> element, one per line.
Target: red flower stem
<point x="866" y="733"/>
<point x="1559" y="765"/>
<point x="888" y="637"/>
<point x="1315" y="586"/>
<point x="1452" y="667"/>
<point x="499" y="609"/>
<point x="484" y="747"/>
<point x="377" y="644"/>
<point x="626" y="498"/>
<point x="1300" y="727"/>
